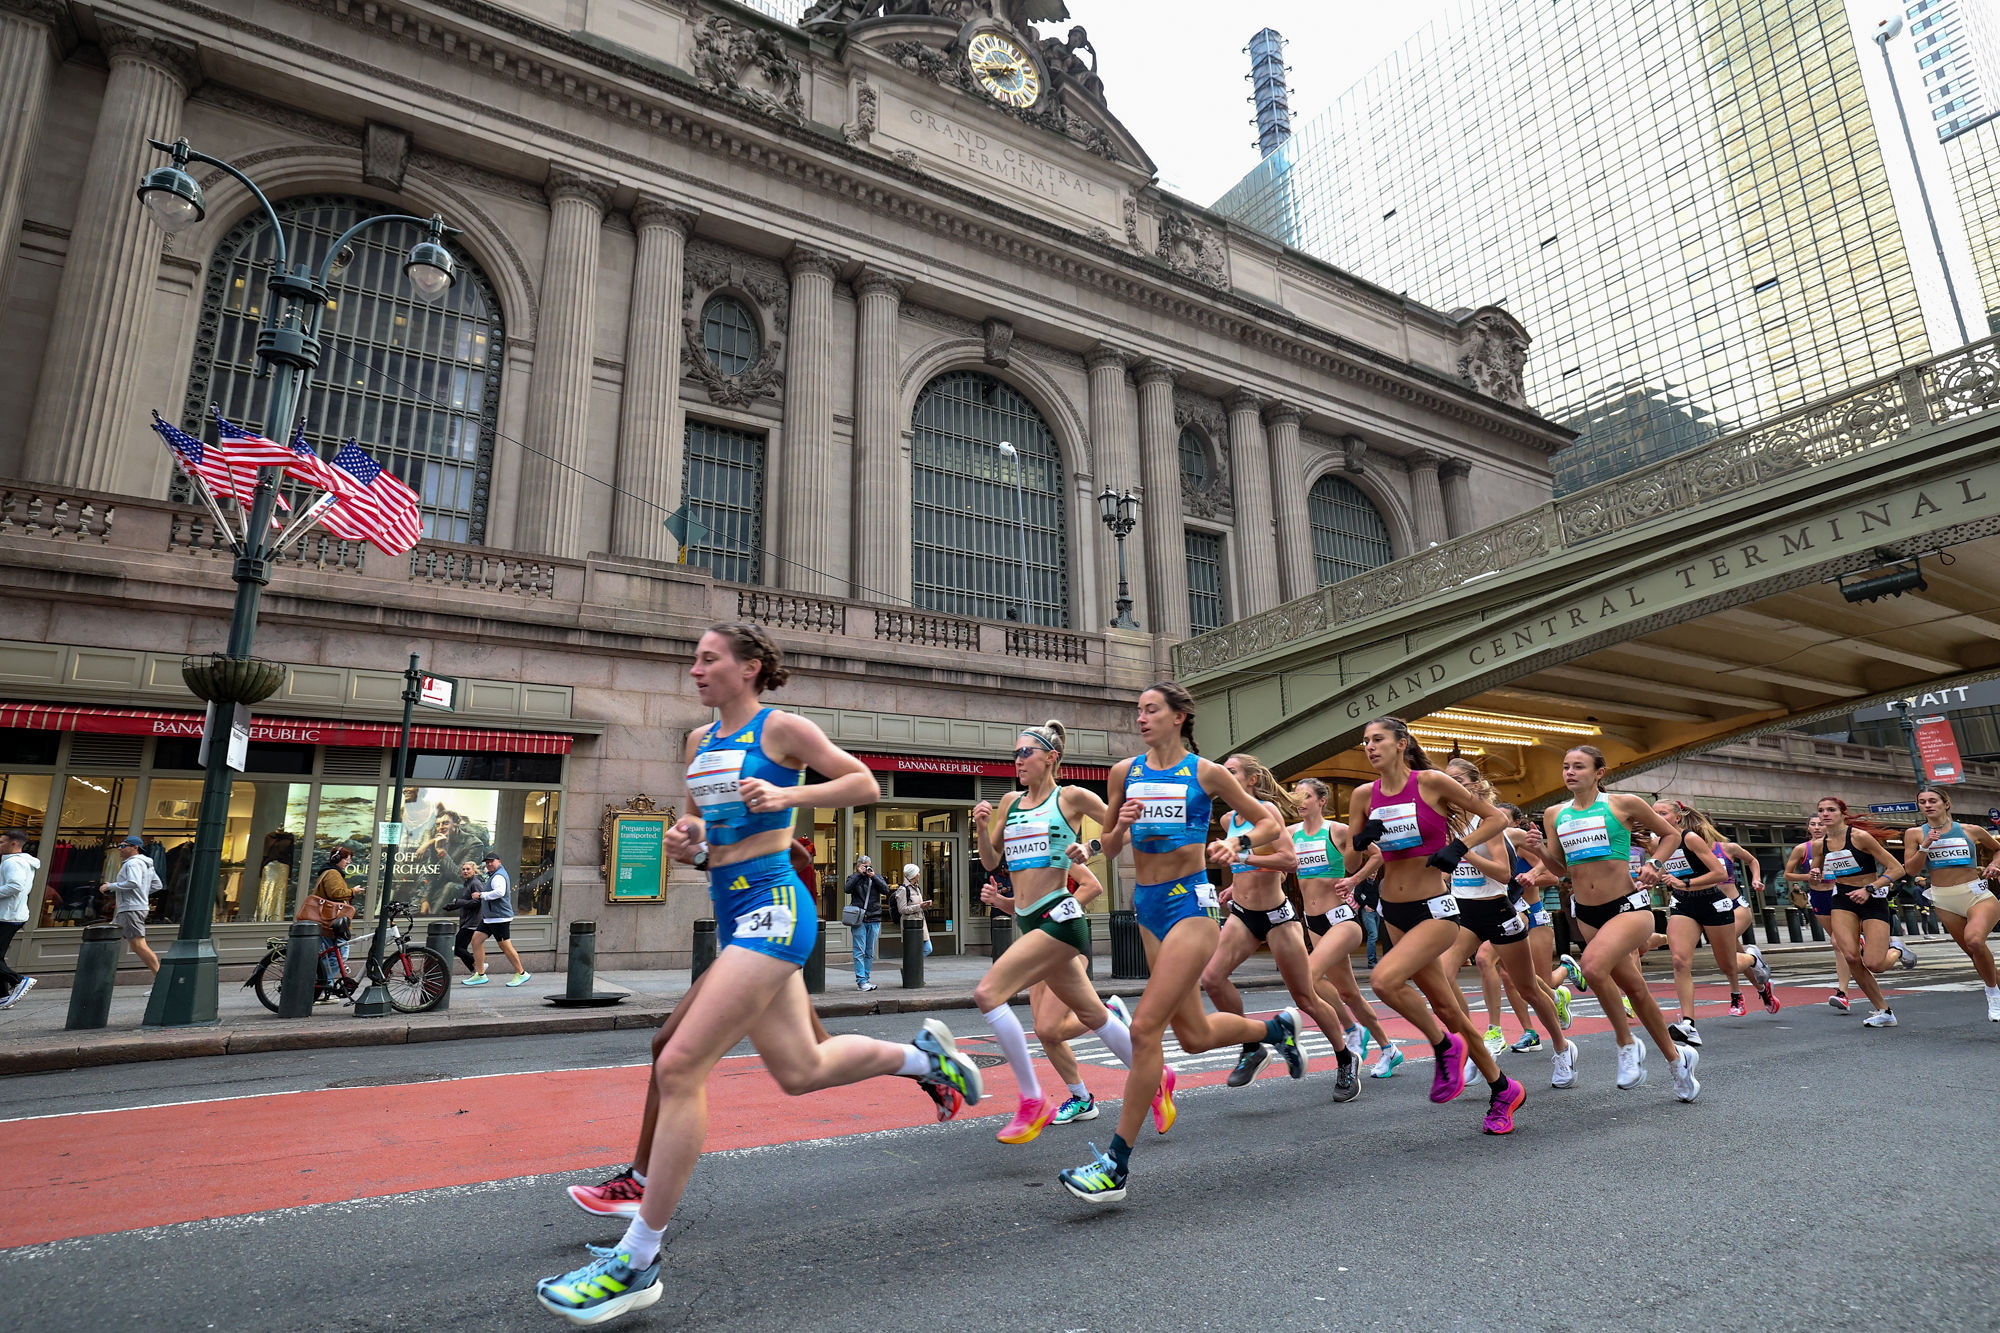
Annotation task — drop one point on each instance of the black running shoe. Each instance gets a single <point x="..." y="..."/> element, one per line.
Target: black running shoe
<point x="1346" y="1087"/>
<point x="1247" y="1065"/>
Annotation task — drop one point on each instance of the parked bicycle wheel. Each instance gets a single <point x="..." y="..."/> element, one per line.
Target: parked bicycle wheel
<point x="417" y="978"/>
<point x="271" y="981"/>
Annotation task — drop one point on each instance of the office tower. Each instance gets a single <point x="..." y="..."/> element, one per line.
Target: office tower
<point x="1973" y="156"/>
<point x="1958" y="49"/>
<point x="1268" y="92"/>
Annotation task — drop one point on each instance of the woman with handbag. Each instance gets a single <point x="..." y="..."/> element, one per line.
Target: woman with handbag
<point x="911" y="905"/>
<point x="331" y="903"/>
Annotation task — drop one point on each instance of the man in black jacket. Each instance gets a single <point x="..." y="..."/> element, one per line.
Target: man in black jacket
<point x="470" y="907"/>
<point x="869" y="892"/>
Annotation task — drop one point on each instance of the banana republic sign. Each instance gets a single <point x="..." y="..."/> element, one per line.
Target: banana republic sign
<point x="1902" y="515"/>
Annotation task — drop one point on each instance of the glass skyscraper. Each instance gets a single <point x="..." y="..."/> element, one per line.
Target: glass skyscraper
<point x="1973" y="154"/>
<point x="1684" y="200"/>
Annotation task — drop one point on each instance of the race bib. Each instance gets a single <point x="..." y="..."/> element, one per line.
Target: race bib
<point x="1281" y="913"/>
<point x="1399" y="826"/>
<point x="1069" y="909"/>
<point x="1726" y="908"/>
<point x="1027" y="845"/>
<point x="1468" y="879"/>
<point x="1881" y="890"/>
<point x="1677" y="865"/>
<point x="1344" y="912"/>
<point x="1162" y="808"/>
<point x="766" y="923"/>
<point x="712" y="780"/>
<point x="1313" y="863"/>
<point x="1639" y="902"/>
<point x="1445" y="906"/>
<point x="1584" y="839"/>
<point x="1513" y="925"/>
<point x="1840" y="863"/>
<point x="1205" y="895"/>
<point x="1945" y="853"/>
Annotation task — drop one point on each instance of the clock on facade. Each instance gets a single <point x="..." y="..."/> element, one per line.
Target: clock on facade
<point x="1004" y="70"/>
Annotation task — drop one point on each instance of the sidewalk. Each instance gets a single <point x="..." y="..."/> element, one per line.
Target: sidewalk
<point x="33" y="1039"/>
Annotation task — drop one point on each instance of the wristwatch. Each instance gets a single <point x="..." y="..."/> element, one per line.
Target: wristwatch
<point x="1243" y="841"/>
<point x="1096" y="846"/>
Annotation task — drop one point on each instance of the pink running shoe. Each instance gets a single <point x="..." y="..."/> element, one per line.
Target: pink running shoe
<point x="1736" y="1009"/>
<point x="616" y="1197"/>
<point x="1448" y="1079"/>
<point x="1506" y="1101"/>
<point x="1164" y="1113"/>
<point x="1027" y="1123"/>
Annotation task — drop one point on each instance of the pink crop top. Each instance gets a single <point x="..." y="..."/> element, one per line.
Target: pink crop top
<point x="1411" y="826"/>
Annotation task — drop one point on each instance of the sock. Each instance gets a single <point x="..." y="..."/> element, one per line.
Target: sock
<point x="1443" y="1048"/>
<point x="1736" y="996"/>
<point x="1117" y="1038"/>
<point x="1079" y="1090"/>
<point x="1274" y="1032"/>
<point x="1121" y="1153"/>
<point x="1993" y="992"/>
<point x="1342" y="1054"/>
<point x="641" y="1242"/>
<point x="639" y="1176"/>
<point x="1497" y="1083"/>
<point x="915" y="1063"/>
<point x="1014" y="1044"/>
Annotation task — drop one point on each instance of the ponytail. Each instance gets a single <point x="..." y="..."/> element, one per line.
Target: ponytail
<point x="1177" y="698"/>
<point x="1413" y="753"/>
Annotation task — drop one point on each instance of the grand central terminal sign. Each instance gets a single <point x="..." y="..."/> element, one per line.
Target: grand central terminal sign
<point x="985" y="158"/>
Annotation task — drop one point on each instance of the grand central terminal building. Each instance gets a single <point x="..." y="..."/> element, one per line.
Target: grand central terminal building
<point x="877" y="306"/>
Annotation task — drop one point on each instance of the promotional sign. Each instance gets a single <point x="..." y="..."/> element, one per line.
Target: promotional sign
<point x="389" y="834"/>
<point x="636" y="868"/>
<point x="437" y="692"/>
<point x="1937" y="749"/>
<point x="239" y="733"/>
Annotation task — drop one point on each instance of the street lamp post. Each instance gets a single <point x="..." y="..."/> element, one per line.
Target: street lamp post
<point x="1886" y="29"/>
<point x="1116" y="509"/>
<point x="1008" y="450"/>
<point x="288" y="345"/>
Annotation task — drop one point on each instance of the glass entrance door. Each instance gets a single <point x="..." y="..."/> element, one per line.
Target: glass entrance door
<point x="941" y="858"/>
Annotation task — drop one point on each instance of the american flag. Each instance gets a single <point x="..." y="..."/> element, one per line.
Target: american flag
<point x="206" y="462"/>
<point x="380" y="507"/>
<point x="304" y="462"/>
<point x="247" y="446"/>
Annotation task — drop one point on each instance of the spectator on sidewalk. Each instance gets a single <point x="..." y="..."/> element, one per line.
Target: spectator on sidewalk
<point x="1368" y="896"/>
<point x="133" y="893"/>
<point x="332" y="885"/>
<point x="869" y="892"/>
<point x="17" y="879"/>
<point x="911" y="905"/>
<point x="496" y="922"/>
<point x="470" y="907"/>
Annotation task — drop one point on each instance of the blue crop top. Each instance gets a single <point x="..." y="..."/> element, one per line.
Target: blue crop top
<point x="718" y="768"/>
<point x="1174" y="810"/>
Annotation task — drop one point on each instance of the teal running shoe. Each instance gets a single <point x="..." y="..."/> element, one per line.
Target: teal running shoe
<point x="1357" y="1041"/>
<point x="1531" y="1040"/>
<point x="1570" y="966"/>
<point x="1097" y="1181"/>
<point x="1563" y="999"/>
<point x="1076" y="1108"/>
<point x="948" y="1069"/>
<point x="1116" y="1004"/>
<point x="1285" y="1029"/>
<point x="602" y="1289"/>
<point x="1386" y="1066"/>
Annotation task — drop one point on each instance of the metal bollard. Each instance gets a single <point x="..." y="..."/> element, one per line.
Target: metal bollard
<point x="1792" y="926"/>
<point x="704" y="949"/>
<point x="582" y="961"/>
<point x="913" y="955"/>
<point x="1770" y="923"/>
<point x="1819" y="936"/>
<point x="302" y="942"/>
<point x="1128" y="950"/>
<point x="815" y="968"/>
<point x="96" y="974"/>
<point x="999" y="934"/>
<point x="439" y="936"/>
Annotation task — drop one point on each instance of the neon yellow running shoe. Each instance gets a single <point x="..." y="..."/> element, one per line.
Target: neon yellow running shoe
<point x="1563" y="999"/>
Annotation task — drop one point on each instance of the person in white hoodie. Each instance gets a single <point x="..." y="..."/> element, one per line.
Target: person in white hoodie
<point x="136" y="883"/>
<point x="17" y="880"/>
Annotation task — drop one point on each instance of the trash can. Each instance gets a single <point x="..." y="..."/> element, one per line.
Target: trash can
<point x="439" y="936"/>
<point x="1128" y="950"/>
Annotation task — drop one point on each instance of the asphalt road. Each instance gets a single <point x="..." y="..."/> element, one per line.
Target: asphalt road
<point x="1829" y="1177"/>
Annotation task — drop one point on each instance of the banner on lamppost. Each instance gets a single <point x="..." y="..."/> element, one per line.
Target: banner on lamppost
<point x="238" y="719"/>
<point x="1937" y="749"/>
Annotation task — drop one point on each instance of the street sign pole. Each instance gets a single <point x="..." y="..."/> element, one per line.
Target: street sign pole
<point x="1902" y="707"/>
<point x="374" y="1001"/>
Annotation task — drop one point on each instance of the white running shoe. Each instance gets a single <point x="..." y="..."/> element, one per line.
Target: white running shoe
<point x="1563" y="1072"/>
<point x="1992" y="1006"/>
<point x="1631" y="1065"/>
<point x="1686" y="1086"/>
<point x="1881" y="1018"/>
<point x="1471" y="1071"/>
<point x="1909" y="955"/>
<point x="1357" y="1041"/>
<point x="1760" y="971"/>
<point x="1116" y="1004"/>
<point x="1683" y="1033"/>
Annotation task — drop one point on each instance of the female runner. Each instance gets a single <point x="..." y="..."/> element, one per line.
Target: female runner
<point x="1259" y="913"/>
<point x="1531" y="886"/>
<point x="743" y="775"/>
<point x="1404" y="813"/>
<point x="1037" y="826"/>
<point x="1860" y="871"/>
<point x="1734" y="854"/>
<point x="1701" y="902"/>
<point x="1959" y="886"/>
<point x="1819" y="901"/>
<point x="1591" y="834"/>
<point x="1163" y="798"/>
<point x="1327" y="884"/>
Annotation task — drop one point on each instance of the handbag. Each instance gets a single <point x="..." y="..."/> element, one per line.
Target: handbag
<point x="853" y="915"/>
<point x="324" y="910"/>
<point x="1799" y="899"/>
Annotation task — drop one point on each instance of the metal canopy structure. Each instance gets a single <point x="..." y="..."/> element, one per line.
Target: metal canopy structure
<point x="1681" y="606"/>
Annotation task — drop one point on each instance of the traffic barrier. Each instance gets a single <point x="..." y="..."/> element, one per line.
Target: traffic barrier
<point x="913" y="955"/>
<point x="704" y="949"/>
<point x="1128" y="950"/>
<point x="96" y="975"/>
<point x="439" y="936"/>
<point x="302" y="943"/>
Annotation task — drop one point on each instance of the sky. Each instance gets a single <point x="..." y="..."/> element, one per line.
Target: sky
<point x="1175" y="73"/>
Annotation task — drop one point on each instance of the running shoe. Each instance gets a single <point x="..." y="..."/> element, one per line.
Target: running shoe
<point x="948" y="1068"/>
<point x="1097" y="1181"/>
<point x="1909" y="955"/>
<point x="1631" y="1066"/>
<point x="1765" y="992"/>
<point x="1626" y="1000"/>
<point x="26" y="984"/>
<point x="949" y="1103"/>
<point x="1386" y="1066"/>
<point x="1837" y="1000"/>
<point x="1247" y="1064"/>
<point x="1164" y="1111"/>
<point x="1287" y="1021"/>
<point x="602" y="1289"/>
<point x="1993" y="1006"/>
<point x="1076" y="1108"/>
<point x="1684" y="1033"/>
<point x="1357" y="1041"/>
<point x="1736" y="1009"/>
<point x="1562" y="1072"/>
<point x="1531" y="1040"/>
<point x="1116" y="1004"/>
<point x="1881" y="1018"/>
<point x="1686" y="1086"/>
<point x="1027" y="1123"/>
<point x="521" y="978"/>
<point x="1346" y="1087"/>
<point x="1470" y="1070"/>
<point x="476" y="979"/>
<point x="1564" y="998"/>
<point x="1448" y="1076"/>
<point x="616" y="1197"/>
<point x="1496" y="1041"/>
<point x="1760" y="971"/>
<point x="1575" y="970"/>
<point x="1507" y="1099"/>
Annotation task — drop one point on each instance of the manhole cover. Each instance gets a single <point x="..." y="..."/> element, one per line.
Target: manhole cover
<point x="984" y="1061"/>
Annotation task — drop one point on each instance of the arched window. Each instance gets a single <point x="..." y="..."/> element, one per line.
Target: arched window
<point x="965" y="528"/>
<point x="416" y="385"/>
<point x="729" y="334"/>
<point x="1194" y="460"/>
<point x="1349" y="536"/>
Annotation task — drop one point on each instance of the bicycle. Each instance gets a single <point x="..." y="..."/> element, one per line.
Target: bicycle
<point x="414" y="976"/>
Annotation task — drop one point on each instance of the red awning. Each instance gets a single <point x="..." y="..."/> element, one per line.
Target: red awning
<point x="970" y="768"/>
<point x="292" y="730"/>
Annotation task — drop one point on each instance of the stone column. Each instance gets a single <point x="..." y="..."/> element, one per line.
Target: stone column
<point x="1458" y="519"/>
<point x="650" y="429"/>
<point x="881" y="534"/>
<point x="1426" y="499"/>
<point x="1160" y="465"/>
<point x="32" y="35"/>
<point x="552" y="478"/>
<point x="1256" y="535"/>
<point x="1114" y="428"/>
<point x="1298" y="575"/>
<point x="811" y="564"/>
<point x="85" y="416"/>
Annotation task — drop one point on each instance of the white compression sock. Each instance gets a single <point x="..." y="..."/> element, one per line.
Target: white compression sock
<point x="639" y="1176"/>
<point x="915" y="1063"/>
<point x="1014" y="1044"/>
<point x="1116" y="1037"/>
<point x="1079" y="1090"/>
<point x="641" y="1242"/>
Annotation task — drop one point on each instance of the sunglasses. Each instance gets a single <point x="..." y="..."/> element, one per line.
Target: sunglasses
<point x="1030" y="751"/>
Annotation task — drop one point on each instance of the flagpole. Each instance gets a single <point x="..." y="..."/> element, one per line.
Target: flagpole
<point x="307" y="517"/>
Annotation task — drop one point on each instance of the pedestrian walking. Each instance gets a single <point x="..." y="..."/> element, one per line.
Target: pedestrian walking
<point x="332" y="885"/>
<point x="132" y="894"/>
<point x="470" y="907"/>
<point x="496" y="922"/>
<point x="17" y="879"/>
<point x="911" y="905"/>
<point x="867" y="904"/>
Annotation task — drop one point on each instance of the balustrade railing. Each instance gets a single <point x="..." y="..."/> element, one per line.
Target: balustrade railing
<point x="1050" y="645"/>
<point x="790" y="610"/>
<point x="897" y="626"/>
<point x="25" y="513"/>
<point x="489" y="571"/>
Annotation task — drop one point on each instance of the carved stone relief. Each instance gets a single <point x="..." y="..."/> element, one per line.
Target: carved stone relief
<point x="710" y="269"/>
<point x="1215" y="499"/>
<point x="999" y="342"/>
<point x="748" y="64"/>
<point x="1048" y="114"/>
<point x="867" y="109"/>
<point x="1495" y="360"/>
<point x="385" y="156"/>
<point x="1191" y="249"/>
